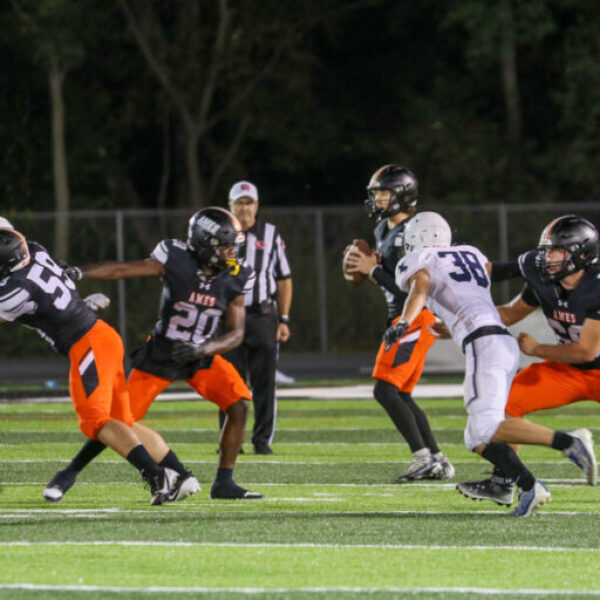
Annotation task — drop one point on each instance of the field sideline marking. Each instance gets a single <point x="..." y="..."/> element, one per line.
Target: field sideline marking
<point x="314" y="590"/>
<point x="178" y="544"/>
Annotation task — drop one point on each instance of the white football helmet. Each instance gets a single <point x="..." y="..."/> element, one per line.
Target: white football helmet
<point x="5" y="224"/>
<point x="427" y="229"/>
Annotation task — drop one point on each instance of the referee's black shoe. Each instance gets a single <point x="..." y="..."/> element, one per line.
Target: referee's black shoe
<point x="262" y="448"/>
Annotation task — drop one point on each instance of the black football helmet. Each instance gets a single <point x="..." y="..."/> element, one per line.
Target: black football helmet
<point x="572" y="233"/>
<point x="401" y="181"/>
<point x="211" y="232"/>
<point x="14" y="253"/>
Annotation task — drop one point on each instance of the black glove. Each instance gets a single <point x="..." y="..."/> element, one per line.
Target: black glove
<point x="73" y="273"/>
<point x="393" y="333"/>
<point x="185" y="352"/>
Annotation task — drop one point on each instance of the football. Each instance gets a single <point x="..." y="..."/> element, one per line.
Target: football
<point x="354" y="279"/>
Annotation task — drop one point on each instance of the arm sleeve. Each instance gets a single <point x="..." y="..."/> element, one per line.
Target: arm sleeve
<point x="385" y="279"/>
<point x="503" y="270"/>
<point x="161" y="252"/>
<point x="15" y="303"/>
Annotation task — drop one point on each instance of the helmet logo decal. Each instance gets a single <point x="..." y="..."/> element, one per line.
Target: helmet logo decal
<point x="208" y="224"/>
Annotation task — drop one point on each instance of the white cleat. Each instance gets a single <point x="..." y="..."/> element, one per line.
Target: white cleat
<point x="581" y="452"/>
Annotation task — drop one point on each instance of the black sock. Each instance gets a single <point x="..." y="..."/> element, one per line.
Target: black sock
<point x="224" y="475"/>
<point x="89" y="451"/>
<point x="422" y="422"/>
<point x="498" y="472"/>
<point x="172" y="462"/>
<point x="561" y="441"/>
<point x="503" y="456"/>
<point x="144" y="463"/>
<point x="388" y="396"/>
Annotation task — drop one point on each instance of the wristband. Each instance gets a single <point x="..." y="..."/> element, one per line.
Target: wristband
<point x="284" y="319"/>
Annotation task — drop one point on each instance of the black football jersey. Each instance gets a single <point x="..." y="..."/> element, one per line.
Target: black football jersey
<point x="41" y="296"/>
<point x="192" y="308"/>
<point x="565" y="310"/>
<point x="390" y="243"/>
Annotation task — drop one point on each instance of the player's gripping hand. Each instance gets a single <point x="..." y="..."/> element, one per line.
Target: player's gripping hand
<point x="97" y="301"/>
<point x="185" y="352"/>
<point x="393" y="333"/>
<point x="73" y="273"/>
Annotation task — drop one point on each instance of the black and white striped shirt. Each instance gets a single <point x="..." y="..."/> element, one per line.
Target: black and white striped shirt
<point x="264" y="251"/>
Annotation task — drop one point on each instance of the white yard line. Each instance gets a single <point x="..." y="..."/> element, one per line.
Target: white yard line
<point x="237" y="545"/>
<point x="156" y="513"/>
<point x="307" y="590"/>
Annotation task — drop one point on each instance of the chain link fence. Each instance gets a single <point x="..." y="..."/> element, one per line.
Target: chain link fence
<point x="328" y="317"/>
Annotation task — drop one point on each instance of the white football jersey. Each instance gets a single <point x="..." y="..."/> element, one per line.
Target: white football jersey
<point x="459" y="292"/>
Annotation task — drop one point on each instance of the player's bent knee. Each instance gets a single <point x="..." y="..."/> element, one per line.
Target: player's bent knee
<point x="238" y="411"/>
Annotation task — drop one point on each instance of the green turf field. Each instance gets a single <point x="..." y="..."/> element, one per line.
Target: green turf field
<point x="332" y="525"/>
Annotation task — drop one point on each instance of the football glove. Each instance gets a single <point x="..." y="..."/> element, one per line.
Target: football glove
<point x="393" y="333"/>
<point x="97" y="301"/>
<point x="185" y="352"/>
<point x="73" y="273"/>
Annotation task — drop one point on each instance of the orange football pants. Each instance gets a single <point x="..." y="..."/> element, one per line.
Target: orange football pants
<point x="403" y="364"/>
<point x="97" y="379"/>
<point x="549" y="384"/>
<point x="220" y="384"/>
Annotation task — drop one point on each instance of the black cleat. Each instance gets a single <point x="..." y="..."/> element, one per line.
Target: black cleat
<point x="262" y="448"/>
<point x="497" y="489"/>
<point x="59" y="485"/>
<point x="229" y="490"/>
<point x="161" y="486"/>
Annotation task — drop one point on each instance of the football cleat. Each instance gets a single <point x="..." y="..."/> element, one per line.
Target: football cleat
<point x="59" y="485"/>
<point x="531" y="500"/>
<point x="497" y="489"/>
<point x="262" y="448"/>
<point x="161" y="486"/>
<point x="446" y="470"/>
<point x="185" y="485"/>
<point x="229" y="490"/>
<point x="421" y="468"/>
<point x="581" y="452"/>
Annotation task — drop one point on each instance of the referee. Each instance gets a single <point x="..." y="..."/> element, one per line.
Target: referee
<point x="267" y="312"/>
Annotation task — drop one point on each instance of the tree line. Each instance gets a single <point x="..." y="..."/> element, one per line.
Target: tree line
<point x="164" y="103"/>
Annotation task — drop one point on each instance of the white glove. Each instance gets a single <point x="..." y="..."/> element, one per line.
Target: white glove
<point x="97" y="301"/>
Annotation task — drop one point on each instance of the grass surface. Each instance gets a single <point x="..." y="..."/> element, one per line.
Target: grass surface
<point x="332" y="524"/>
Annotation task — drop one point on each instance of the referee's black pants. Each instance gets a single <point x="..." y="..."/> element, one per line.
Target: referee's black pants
<point x="256" y="361"/>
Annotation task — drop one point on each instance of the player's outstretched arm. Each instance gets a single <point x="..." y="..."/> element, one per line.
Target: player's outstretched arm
<point x="115" y="269"/>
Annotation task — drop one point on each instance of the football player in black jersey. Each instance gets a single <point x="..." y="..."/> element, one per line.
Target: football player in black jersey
<point x="201" y="316"/>
<point x="562" y="278"/>
<point x="35" y="292"/>
<point x="392" y="201"/>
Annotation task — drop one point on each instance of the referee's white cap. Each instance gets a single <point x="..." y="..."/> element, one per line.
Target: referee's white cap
<point x="242" y="189"/>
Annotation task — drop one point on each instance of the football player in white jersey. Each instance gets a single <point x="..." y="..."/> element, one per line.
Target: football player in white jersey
<point x="454" y="282"/>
